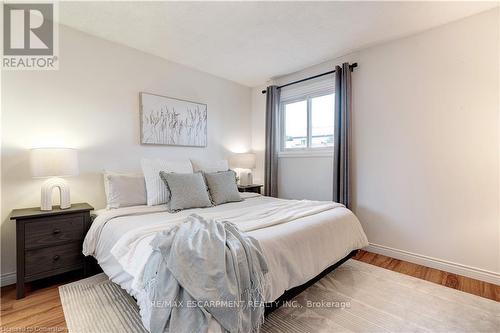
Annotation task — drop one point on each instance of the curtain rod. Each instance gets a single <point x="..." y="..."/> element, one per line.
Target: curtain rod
<point x="354" y="65"/>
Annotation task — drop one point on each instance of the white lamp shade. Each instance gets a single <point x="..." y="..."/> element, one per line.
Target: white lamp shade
<point x="53" y="162"/>
<point x="243" y="161"/>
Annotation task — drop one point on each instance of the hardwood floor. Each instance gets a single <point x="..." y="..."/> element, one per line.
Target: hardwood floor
<point x="462" y="283"/>
<point x="41" y="310"/>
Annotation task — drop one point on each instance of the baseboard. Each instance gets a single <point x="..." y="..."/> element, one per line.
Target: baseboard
<point x="447" y="266"/>
<point x="7" y="279"/>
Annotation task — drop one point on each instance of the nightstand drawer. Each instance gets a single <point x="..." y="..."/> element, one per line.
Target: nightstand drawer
<point x="53" y="258"/>
<point x="54" y="230"/>
<point x="49" y="242"/>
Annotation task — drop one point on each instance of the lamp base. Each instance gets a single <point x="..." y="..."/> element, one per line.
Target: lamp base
<point x="47" y="188"/>
<point x="246" y="177"/>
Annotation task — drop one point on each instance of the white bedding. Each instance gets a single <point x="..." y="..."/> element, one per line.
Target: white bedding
<point x="297" y="248"/>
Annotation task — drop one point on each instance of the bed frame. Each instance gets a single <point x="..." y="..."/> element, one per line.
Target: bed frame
<point x="291" y="293"/>
<point x="92" y="267"/>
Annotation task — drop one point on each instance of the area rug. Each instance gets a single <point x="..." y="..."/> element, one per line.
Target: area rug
<point x="356" y="297"/>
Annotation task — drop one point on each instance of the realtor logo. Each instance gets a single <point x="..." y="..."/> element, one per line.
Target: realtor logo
<point x="29" y="36"/>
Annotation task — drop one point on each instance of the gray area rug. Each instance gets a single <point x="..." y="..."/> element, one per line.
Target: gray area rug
<point x="356" y="297"/>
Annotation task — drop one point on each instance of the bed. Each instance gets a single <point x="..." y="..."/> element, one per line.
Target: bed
<point x="296" y="250"/>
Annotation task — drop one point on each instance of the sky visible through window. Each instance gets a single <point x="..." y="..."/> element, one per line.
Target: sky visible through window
<point x="322" y="109"/>
<point x="296" y="124"/>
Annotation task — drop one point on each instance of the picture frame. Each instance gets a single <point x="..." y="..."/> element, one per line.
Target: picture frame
<point x="172" y="121"/>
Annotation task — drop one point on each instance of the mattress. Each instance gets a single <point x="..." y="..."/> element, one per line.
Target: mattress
<point x="295" y="251"/>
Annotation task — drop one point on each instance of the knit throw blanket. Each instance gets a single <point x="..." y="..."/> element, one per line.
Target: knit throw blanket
<point x="203" y="269"/>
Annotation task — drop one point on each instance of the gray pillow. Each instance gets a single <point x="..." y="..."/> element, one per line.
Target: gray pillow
<point x="222" y="187"/>
<point x="187" y="190"/>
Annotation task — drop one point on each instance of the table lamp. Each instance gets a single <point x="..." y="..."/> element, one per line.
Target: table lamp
<point x="54" y="163"/>
<point x="245" y="163"/>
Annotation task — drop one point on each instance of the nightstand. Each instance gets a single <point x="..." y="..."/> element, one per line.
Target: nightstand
<point x="250" y="188"/>
<point x="49" y="242"/>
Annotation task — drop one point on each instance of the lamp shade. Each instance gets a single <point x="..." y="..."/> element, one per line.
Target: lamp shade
<point x="53" y="162"/>
<point x="243" y="161"/>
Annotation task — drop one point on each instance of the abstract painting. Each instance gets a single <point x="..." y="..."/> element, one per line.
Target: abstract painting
<point x="172" y="121"/>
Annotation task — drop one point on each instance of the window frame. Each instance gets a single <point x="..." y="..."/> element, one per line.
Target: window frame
<point x="319" y="151"/>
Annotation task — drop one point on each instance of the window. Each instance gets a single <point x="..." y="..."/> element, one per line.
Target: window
<point x="307" y="122"/>
<point x="296" y="125"/>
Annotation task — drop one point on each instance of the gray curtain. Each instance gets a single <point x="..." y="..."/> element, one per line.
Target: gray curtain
<point x="271" y="156"/>
<point x="342" y="136"/>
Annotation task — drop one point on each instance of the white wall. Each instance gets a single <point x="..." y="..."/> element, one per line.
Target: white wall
<point x="426" y="145"/>
<point x="92" y="103"/>
<point x="305" y="177"/>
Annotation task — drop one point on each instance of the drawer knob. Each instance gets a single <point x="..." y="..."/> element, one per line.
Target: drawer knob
<point x="56" y="231"/>
<point x="55" y="258"/>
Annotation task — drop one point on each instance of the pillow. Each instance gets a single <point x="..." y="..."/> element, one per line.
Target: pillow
<point x="210" y="165"/>
<point x="156" y="191"/>
<point x="124" y="189"/>
<point x="186" y="191"/>
<point x="222" y="187"/>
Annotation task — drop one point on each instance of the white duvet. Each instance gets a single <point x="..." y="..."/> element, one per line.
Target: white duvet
<point x="299" y="238"/>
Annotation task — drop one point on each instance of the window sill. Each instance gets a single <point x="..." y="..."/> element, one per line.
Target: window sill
<point x="328" y="153"/>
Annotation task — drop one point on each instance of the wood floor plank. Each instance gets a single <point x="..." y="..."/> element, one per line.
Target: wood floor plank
<point x="41" y="309"/>
<point x="369" y="257"/>
<point x="381" y="261"/>
<point x="451" y="281"/>
<point x="433" y="275"/>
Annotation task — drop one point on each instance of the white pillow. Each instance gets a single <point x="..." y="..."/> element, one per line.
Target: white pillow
<point x="156" y="191"/>
<point x="210" y="166"/>
<point x="124" y="189"/>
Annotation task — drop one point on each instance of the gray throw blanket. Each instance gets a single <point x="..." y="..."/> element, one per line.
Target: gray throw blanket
<point x="203" y="269"/>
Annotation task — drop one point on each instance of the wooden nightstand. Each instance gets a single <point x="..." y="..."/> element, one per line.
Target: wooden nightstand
<point x="250" y="188"/>
<point x="49" y="242"/>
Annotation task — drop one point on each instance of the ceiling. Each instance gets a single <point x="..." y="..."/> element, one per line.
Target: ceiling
<point x="251" y="42"/>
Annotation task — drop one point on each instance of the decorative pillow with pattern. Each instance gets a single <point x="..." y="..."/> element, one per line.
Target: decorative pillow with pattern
<point x="186" y="191"/>
<point x="222" y="187"/>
